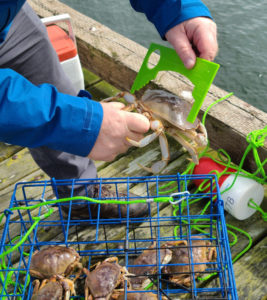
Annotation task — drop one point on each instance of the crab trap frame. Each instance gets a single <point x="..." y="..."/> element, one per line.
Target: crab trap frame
<point x="172" y="251"/>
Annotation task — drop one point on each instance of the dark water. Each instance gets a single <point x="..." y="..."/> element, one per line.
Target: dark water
<point x="242" y="36"/>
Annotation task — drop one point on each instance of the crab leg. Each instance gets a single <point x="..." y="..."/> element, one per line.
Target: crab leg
<point x="86" y="288"/>
<point x="36" y="285"/>
<point x="212" y="254"/>
<point x="43" y="283"/>
<point x="185" y="144"/>
<point x="200" y="137"/>
<point x="157" y="126"/>
<point x="68" y="286"/>
<point x="165" y="155"/>
<point x="144" y="141"/>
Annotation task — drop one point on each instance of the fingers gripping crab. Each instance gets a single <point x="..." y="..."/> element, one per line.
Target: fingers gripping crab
<point x="167" y="114"/>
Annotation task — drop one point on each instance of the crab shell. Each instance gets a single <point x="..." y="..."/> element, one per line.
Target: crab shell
<point x="54" y="288"/>
<point x="167" y="113"/>
<point x="54" y="260"/>
<point x="148" y="265"/>
<point x="102" y="281"/>
<point x="51" y="291"/>
<point x="202" y="253"/>
<point x="166" y="106"/>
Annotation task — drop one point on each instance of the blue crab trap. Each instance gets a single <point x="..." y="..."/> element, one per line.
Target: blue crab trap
<point x="127" y="238"/>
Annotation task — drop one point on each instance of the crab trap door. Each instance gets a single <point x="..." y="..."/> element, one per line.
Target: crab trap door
<point x="168" y="253"/>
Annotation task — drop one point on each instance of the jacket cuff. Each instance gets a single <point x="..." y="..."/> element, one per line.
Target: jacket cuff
<point x="80" y="127"/>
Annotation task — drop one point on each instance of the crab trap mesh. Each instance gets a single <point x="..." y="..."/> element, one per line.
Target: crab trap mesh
<point x="128" y="238"/>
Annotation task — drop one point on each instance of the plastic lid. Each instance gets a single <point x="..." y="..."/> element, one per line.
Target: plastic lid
<point x="61" y="42"/>
<point x="208" y="166"/>
<point x="236" y="199"/>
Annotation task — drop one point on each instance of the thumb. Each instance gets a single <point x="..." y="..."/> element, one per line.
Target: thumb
<point x="116" y="105"/>
<point x="180" y="42"/>
<point x="137" y="122"/>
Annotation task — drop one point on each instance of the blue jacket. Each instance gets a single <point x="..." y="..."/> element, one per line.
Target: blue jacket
<point x="36" y="116"/>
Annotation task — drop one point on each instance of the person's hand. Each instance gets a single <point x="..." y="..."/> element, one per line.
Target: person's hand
<point x="194" y="37"/>
<point x="116" y="126"/>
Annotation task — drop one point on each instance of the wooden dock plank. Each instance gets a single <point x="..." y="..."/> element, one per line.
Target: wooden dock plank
<point x="17" y="165"/>
<point x="102" y="90"/>
<point x="7" y="151"/>
<point x="250" y="273"/>
<point x="89" y="78"/>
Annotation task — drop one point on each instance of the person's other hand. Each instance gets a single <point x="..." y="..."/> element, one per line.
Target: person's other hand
<point x="194" y="37"/>
<point x="116" y="126"/>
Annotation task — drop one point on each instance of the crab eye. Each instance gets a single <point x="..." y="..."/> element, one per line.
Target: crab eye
<point x="155" y="125"/>
<point x="129" y="98"/>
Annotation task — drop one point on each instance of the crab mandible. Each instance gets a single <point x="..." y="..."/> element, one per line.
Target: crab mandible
<point x="55" y="288"/>
<point x="104" y="279"/>
<point x="202" y="253"/>
<point x="55" y="260"/>
<point x="167" y="113"/>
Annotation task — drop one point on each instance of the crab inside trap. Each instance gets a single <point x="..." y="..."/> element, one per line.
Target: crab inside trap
<point x="168" y="252"/>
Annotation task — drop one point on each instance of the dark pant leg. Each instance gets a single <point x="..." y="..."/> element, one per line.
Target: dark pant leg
<point x="28" y="51"/>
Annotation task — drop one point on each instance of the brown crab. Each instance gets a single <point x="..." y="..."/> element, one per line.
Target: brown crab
<point x="167" y="113"/>
<point x="55" y="288"/>
<point x="55" y="260"/>
<point x="149" y="265"/>
<point x="104" y="279"/>
<point x="202" y="252"/>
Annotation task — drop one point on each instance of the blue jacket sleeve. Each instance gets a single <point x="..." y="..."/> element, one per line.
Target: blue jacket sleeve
<point x="35" y="116"/>
<point x="165" y="14"/>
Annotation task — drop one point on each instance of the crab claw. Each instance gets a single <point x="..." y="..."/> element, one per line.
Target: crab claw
<point x="202" y="137"/>
<point x="156" y="168"/>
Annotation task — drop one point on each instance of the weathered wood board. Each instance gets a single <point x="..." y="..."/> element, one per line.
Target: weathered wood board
<point x="228" y="125"/>
<point x="251" y="273"/>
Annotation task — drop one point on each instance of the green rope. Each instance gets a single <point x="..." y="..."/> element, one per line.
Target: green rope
<point x="255" y="140"/>
<point x="79" y="198"/>
<point x="36" y="220"/>
<point x="255" y="206"/>
<point x="212" y="104"/>
<point x="9" y="280"/>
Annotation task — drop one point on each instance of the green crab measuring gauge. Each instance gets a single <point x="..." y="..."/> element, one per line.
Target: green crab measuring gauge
<point x="201" y="75"/>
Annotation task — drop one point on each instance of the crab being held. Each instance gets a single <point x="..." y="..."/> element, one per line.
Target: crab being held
<point x="104" y="279"/>
<point x="55" y="288"/>
<point x="167" y="114"/>
<point x="202" y="253"/>
<point x="55" y="260"/>
<point x="148" y="263"/>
